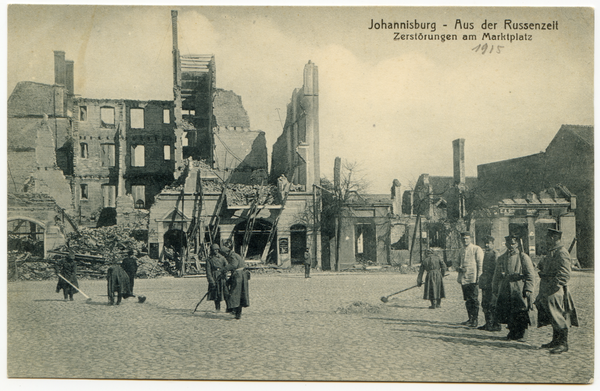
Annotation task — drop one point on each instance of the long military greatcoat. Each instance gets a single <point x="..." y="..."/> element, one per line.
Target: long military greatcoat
<point x="68" y="269"/>
<point x="554" y="302"/>
<point x="434" y="283"/>
<point x="237" y="284"/>
<point x="489" y="267"/>
<point x="514" y="275"/>
<point x="118" y="281"/>
<point x="217" y="286"/>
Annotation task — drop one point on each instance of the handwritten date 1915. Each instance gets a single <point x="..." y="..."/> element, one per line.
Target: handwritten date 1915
<point x="484" y="48"/>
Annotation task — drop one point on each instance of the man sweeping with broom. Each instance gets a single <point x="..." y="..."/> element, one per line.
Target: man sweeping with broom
<point x="67" y="276"/>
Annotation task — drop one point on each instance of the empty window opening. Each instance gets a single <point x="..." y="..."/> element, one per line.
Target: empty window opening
<point x="107" y="116"/>
<point x="167" y="152"/>
<point x="166" y="116"/>
<point x="184" y="140"/>
<point x="84" y="192"/>
<point x="84" y="150"/>
<point x="109" y="193"/>
<point x="108" y="155"/>
<point x="83" y="113"/>
<point x="137" y="118"/>
<point x="139" y="196"/>
<point x="138" y="156"/>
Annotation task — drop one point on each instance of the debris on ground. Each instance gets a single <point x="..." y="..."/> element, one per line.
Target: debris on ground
<point x="359" y="307"/>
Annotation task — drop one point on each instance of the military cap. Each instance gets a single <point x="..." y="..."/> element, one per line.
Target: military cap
<point x="215" y="247"/>
<point x="511" y="238"/>
<point x="488" y="239"/>
<point x="466" y="233"/>
<point x="554" y="232"/>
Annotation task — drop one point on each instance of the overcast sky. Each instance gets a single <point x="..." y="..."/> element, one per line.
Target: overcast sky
<point x="394" y="107"/>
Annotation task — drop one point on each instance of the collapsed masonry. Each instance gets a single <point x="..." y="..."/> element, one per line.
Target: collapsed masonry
<point x="134" y="163"/>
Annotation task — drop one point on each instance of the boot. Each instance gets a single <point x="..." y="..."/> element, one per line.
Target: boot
<point x="494" y="325"/>
<point x="217" y="306"/>
<point x="438" y="303"/>
<point x="475" y="316"/>
<point x="563" y="345"/>
<point x="552" y="343"/>
<point x="468" y="322"/>
<point x="487" y="324"/>
<point x="238" y="313"/>
<point x="432" y="306"/>
<point x="522" y="336"/>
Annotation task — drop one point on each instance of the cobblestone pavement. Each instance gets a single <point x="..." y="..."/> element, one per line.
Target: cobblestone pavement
<point x="291" y="331"/>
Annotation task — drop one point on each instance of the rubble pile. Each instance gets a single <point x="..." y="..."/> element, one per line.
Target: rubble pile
<point x="110" y="243"/>
<point x="238" y="194"/>
<point x="149" y="268"/>
<point x="359" y="307"/>
<point x="24" y="266"/>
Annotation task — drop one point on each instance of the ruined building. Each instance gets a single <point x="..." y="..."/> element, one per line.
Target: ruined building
<point x="188" y="170"/>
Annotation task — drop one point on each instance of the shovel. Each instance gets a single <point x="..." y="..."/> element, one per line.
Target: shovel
<point x="78" y="290"/>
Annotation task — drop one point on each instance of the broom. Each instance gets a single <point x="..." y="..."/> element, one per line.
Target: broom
<point x="78" y="290"/>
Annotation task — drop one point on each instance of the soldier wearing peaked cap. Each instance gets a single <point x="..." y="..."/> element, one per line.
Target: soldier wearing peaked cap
<point x="469" y="266"/>
<point x="512" y="287"/>
<point x="237" y="295"/>
<point x="485" y="284"/>
<point x="216" y="283"/>
<point x="554" y="302"/>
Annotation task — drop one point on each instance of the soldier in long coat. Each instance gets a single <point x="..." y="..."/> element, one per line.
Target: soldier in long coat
<point x="469" y="266"/>
<point x="485" y="284"/>
<point x="67" y="268"/>
<point x="130" y="266"/>
<point x="237" y="296"/>
<point x="512" y="287"/>
<point x="554" y="302"/>
<point x="117" y="281"/>
<point x="434" y="283"/>
<point x="216" y="282"/>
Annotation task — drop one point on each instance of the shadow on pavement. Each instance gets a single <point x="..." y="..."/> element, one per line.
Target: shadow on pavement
<point x="461" y="339"/>
<point x="488" y="337"/>
<point x="422" y="323"/>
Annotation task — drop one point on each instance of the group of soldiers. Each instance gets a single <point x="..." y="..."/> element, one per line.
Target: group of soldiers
<point x="507" y="284"/>
<point x="233" y="290"/>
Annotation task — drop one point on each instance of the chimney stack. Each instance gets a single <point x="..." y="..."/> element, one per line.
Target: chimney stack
<point x="60" y="70"/>
<point x="69" y="76"/>
<point x="458" y="147"/>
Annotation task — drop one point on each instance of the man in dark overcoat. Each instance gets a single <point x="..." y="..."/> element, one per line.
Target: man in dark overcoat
<point x="307" y="262"/>
<point x="216" y="282"/>
<point x="554" y="302"/>
<point x="130" y="266"/>
<point x="434" y="283"/>
<point x="67" y="268"/>
<point x="485" y="284"/>
<point x="237" y="296"/>
<point x="117" y="281"/>
<point x="512" y="287"/>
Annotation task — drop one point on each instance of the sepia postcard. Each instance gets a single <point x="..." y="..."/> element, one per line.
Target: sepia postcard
<point x="304" y="194"/>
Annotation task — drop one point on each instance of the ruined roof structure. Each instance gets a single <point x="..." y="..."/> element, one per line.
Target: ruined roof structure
<point x="237" y="194"/>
